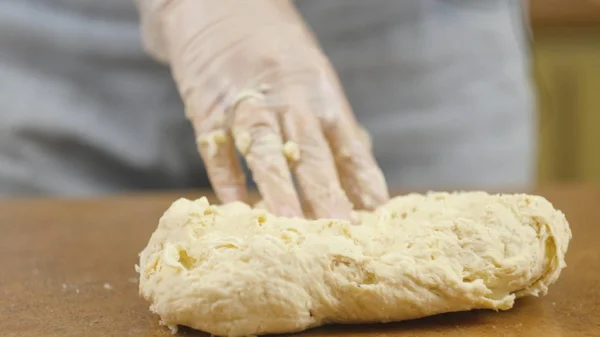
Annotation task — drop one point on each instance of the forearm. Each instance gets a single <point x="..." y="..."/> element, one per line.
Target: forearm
<point x="157" y="17"/>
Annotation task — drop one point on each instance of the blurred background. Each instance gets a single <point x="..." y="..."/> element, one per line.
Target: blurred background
<point x="86" y="60"/>
<point x="566" y="50"/>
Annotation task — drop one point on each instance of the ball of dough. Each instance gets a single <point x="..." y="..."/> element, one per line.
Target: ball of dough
<point x="232" y="270"/>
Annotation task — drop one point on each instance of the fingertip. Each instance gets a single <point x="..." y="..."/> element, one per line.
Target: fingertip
<point x="335" y="205"/>
<point x="232" y="193"/>
<point x="289" y="211"/>
<point x="366" y="194"/>
<point x="374" y="199"/>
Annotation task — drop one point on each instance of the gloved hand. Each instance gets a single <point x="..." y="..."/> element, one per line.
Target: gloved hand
<point x="252" y="77"/>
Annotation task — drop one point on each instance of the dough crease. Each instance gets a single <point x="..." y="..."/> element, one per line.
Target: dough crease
<point x="234" y="270"/>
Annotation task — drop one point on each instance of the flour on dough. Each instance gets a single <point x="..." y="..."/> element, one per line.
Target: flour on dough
<point x="232" y="270"/>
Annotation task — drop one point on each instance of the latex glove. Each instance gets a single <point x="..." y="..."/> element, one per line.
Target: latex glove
<point x="252" y="77"/>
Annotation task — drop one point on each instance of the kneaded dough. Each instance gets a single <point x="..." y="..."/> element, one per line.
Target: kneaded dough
<point x="232" y="270"/>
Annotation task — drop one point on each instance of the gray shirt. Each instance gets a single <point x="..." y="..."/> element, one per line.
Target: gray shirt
<point x="441" y="85"/>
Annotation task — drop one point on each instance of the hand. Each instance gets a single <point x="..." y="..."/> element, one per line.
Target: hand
<point x="252" y="78"/>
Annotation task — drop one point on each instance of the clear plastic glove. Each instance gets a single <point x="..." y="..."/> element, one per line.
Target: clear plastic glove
<point x="253" y="78"/>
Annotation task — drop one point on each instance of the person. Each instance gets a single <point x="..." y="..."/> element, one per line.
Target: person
<point x="441" y="86"/>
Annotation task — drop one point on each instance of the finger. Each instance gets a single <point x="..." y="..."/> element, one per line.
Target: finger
<point x="344" y="110"/>
<point x="364" y="137"/>
<point x="258" y="138"/>
<point x="359" y="172"/>
<point x="314" y="166"/>
<point x="217" y="149"/>
<point x="360" y="175"/>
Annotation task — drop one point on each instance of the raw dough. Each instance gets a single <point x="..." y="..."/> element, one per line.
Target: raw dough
<point x="233" y="271"/>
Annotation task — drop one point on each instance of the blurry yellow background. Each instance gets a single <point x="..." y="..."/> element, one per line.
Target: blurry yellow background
<point x="566" y="50"/>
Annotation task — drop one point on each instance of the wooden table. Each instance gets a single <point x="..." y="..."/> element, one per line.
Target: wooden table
<point x="66" y="269"/>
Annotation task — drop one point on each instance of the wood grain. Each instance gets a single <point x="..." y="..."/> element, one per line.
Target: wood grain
<point x="67" y="270"/>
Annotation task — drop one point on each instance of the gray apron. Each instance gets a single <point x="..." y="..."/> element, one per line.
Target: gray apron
<point x="441" y="85"/>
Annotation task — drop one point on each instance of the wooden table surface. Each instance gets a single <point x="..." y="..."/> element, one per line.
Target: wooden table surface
<point x="67" y="269"/>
